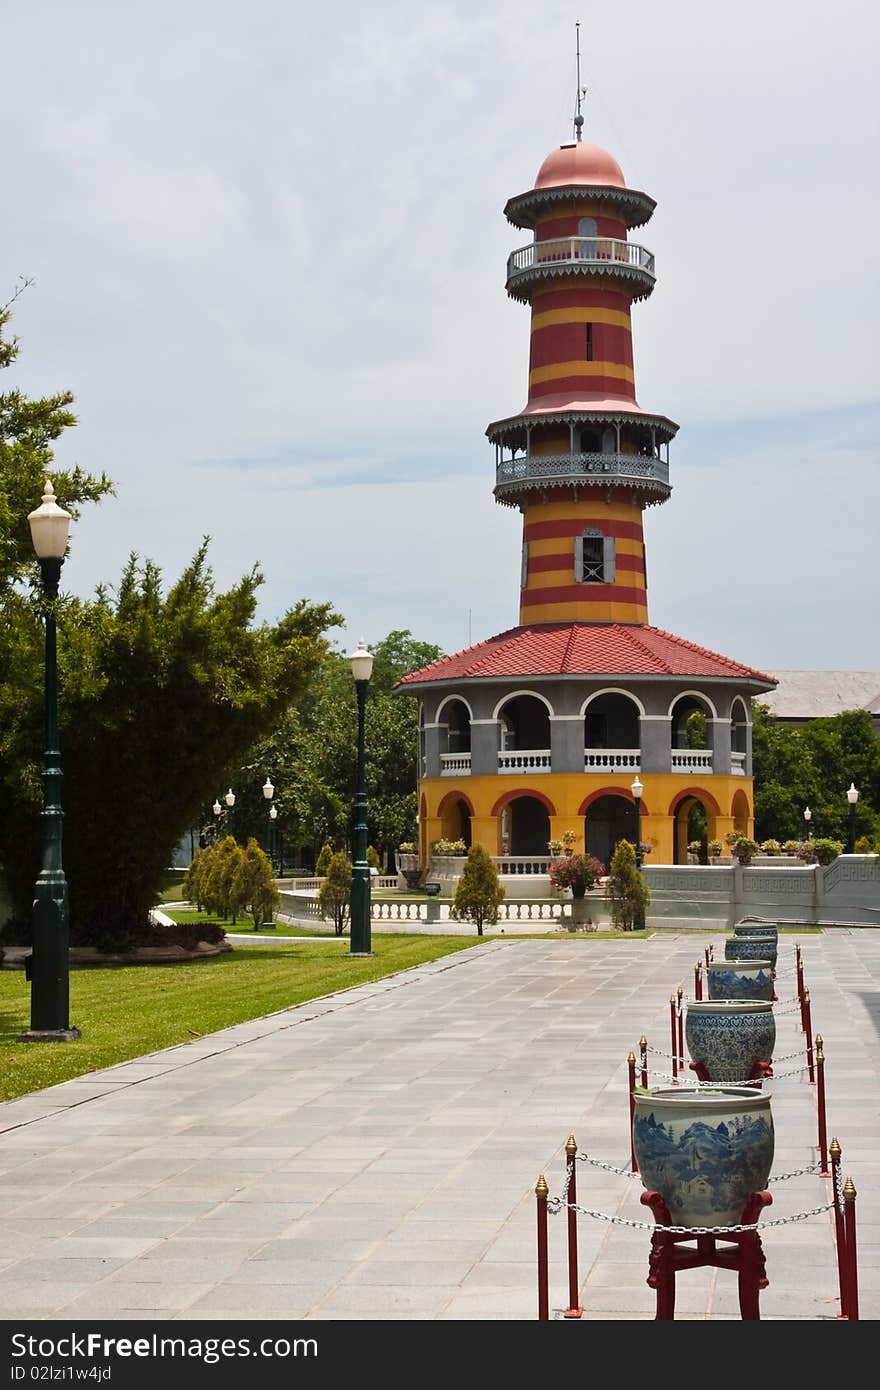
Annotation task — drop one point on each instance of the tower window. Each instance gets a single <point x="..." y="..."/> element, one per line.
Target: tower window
<point x="594" y="558"/>
<point x="589" y="342"/>
<point x="590" y="442"/>
<point x="524" y="567"/>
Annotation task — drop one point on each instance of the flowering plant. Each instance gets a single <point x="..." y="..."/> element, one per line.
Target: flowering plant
<point x="554" y="847"/>
<point x="408" y="847"/>
<point x="569" y="839"/>
<point x="449" y="847"/>
<point x="579" y="872"/>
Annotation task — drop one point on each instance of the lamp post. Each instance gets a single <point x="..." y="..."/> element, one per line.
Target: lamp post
<point x="273" y="816"/>
<point x="268" y="793"/>
<point x="808" y="816"/>
<point x="217" y="809"/>
<point x="852" y="797"/>
<point x="636" y="788"/>
<point x="361" y="668"/>
<point x="50" y="961"/>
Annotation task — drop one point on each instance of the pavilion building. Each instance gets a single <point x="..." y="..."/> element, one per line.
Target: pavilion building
<point x="543" y="729"/>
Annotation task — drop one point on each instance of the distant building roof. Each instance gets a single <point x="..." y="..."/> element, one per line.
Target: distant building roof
<point x="554" y="649"/>
<point x="822" y="694"/>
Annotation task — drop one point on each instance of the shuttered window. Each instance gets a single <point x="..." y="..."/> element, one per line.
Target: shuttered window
<point x="524" y="567"/>
<point x="594" y="558"/>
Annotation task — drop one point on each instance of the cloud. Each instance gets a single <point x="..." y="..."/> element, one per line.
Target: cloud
<point x="270" y="258"/>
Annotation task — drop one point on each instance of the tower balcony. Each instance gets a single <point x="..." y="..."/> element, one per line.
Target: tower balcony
<point x="541" y="471"/>
<point x="577" y="255"/>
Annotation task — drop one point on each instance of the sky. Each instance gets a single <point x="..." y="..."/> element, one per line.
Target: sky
<point x="268" y="255"/>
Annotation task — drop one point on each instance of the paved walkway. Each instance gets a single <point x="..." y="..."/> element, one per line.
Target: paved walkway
<point x="373" y="1155"/>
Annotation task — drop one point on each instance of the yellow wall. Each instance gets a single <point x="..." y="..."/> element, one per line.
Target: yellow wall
<point x="567" y="791"/>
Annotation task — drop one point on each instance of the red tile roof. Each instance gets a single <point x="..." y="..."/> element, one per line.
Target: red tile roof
<point x="584" y="649"/>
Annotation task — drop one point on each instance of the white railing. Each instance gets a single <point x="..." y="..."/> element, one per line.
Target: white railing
<point x="738" y="764"/>
<point x="525" y="760"/>
<point x="521" y="863"/>
<point x="454" y="764"/>
<point x="692" y="760"/>
<point x="591" y="468"/>
<point x="612" y="759"/>
<point x="607" y="253"/>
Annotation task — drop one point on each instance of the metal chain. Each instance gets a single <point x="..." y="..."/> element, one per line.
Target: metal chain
<point x="628" y="1172"/>
<point x="749" y="1080"/>
<point x="797" y="1173"/>
<point x="556" y="1202"/>
<point x="838" y="1183"/>
<point x="609" y="1167"/>
<point x="789" y="1057"/>
<point x="689" y="1230"/>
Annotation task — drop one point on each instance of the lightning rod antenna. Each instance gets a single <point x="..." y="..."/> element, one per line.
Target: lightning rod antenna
<point x="578" y="119"/>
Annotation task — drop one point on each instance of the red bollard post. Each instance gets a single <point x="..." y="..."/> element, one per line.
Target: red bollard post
<point x="673" y="1030"/>
<point x="698" y="979"/>
<point x="631" y="1065"/>
<point x="799" y="964"/>
<point x="643" y="1050"/>
<point x="706" y="954"/>
<point x="541" y="1193"/>
<point x="808" y="1029"/>
<point x="839" y="1232"/>
<point x="680" y="1015"/>
<point x="574" y="1309"/>
<point x="820" y="1107"/>
<point x="849" y="1221"/>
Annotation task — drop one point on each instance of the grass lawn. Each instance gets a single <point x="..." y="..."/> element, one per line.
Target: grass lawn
<point x="127" y="1011"/>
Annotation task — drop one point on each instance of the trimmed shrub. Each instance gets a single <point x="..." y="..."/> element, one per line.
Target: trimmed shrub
<point x="478" y="892"/>
<point x="627" y="892"/>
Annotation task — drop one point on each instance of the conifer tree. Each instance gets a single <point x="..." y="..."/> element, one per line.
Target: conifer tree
<point x="479" y="892"/>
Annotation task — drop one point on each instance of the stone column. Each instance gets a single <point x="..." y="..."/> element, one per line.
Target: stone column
<point x="485" y="742"/>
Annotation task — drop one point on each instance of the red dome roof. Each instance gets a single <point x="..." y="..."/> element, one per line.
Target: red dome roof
<point x="581" y="163"/>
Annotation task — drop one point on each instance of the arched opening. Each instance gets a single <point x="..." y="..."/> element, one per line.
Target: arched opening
<point x="693" y="823"/>
<point x="739" y="724"/>
<point x="741" y="812"/>
<point x="611" y="722"/>
<point x="609" y="819"/>
<point x="690" y="727"/>
<point x="455" y="819"/>
<point x="587" y="226"/>
<point x="525" y="826"/>
<point x="525" y="724"/>
<point x="457" y="718"/>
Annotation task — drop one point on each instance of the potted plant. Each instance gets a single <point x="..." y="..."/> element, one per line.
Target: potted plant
<point x="554" y="848"/>
<point x="825" y="851"/>
<point x="569" y="840"/>
<point x="771" y="847"/>
<point x="408" y="863"/>
<point x="714" y="848"/>
<point x="744" y="849"/>
<point x="580" y="873"/>
<point x="694" y="851"/>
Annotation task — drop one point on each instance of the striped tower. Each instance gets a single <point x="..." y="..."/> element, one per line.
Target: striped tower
<point x="582" y="459"/>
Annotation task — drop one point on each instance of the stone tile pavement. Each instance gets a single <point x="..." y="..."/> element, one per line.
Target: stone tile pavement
<point x="373" y="1155"/>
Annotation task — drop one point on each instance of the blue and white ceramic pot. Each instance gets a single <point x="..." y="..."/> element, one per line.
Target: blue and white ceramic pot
<point x="730" y="1036"/>
<point x="751" y="948"/>
<point x="704" y="1151"/>
<point x="740" y="979"/>
<point x="763" y="930"/>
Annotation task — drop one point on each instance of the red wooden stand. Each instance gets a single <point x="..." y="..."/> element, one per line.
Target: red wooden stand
<point x="744" y="1253"/>
<point x="761" y="1071"/>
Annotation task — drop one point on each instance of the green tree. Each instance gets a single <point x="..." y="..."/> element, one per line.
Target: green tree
<point x="626" y="890"/>
<point x="324" y="860"/>
<point x="478" y="893"/>
<point x="695" y="728"/>
<point x="334" y="895"/>
<point x="813" y="765"/>
<point x="373" y="858"/>
<point x="312" y="753"/>
<point x="218" y="884"/>
<point x="161" y="694"/>
<point x="28" y="428"/>
<point x="253" y="885"/>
